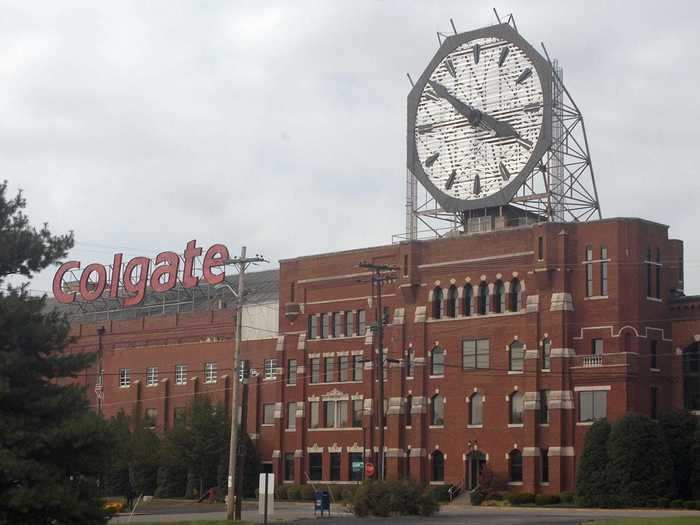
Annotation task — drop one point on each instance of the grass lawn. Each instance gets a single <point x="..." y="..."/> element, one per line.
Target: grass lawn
<point x="675" y="520"/>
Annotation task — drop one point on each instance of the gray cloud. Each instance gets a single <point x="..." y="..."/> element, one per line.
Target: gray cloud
<point x="281" y="124"/>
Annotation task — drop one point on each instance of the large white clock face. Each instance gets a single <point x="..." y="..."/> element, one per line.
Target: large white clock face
<point x="479" y="118"/>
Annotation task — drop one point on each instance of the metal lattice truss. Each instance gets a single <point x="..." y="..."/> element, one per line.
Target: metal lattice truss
<point x="561" y="188"/>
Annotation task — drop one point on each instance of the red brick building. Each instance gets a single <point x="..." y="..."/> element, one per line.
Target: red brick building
<point x="503" y="348"/>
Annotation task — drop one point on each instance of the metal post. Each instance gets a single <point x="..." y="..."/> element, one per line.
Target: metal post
<point x="233" y="445"/>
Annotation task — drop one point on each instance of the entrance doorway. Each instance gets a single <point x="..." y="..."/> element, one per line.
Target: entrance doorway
<point x="475" y="464"/>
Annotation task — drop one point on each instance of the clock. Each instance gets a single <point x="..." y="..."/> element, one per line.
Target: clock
<point x="479" y="118"/>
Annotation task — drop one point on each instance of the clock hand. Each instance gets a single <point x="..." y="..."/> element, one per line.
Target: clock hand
<point x="472" y="115"/>
<point x="502" y="128"/>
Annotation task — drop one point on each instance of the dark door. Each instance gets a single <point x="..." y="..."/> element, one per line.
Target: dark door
<point x="475" y="465"/>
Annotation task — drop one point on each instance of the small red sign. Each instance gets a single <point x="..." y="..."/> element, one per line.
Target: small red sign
<point x="369" y="469"/>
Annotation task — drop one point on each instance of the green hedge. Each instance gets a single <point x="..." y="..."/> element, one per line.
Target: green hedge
<point x="384" y="498"/>
<point x="520" y="498"/>
<point x="547" y="499"/>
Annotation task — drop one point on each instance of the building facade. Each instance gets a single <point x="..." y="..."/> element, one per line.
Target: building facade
<point x="501" y="349"/>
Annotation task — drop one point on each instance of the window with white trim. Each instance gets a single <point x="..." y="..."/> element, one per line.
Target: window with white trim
<point x="210" y="373"/>
<point x="151" y="376"/>
<point x="589" y="271"/>
<point x="437" y="361"/>
<point x="180" y="374"/>
<point x="437" y="410"/>
<point x="335" y="414"/>
<point x="592" y="405"/>
<point x="124" y="377"/>
<point x="291" y="416"/>
<point x="516" y="356"/>
<point x="269" y="366"/>
<point x="516" y="408"/>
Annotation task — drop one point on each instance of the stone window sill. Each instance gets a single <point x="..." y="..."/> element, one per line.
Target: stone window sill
<point x="595" y="297"/>
<point x="436" y="426"/>
<point x="475" y="426"/>
<point x="333" y="428"/>
<point x="654" y="370"/>
<point x="584" y="423"/>
<point x="544" y="425"/>
<point x="654" y="299"/>
<point x="437" y="377"/>
<point x="515" y="372"/>
<point x="515" y="483"/>
<point x="516" y="425"/>
<point x="267" y="425"/>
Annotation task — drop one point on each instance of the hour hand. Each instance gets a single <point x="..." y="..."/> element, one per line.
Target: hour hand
<point x="503" y="129"/>
<point x="471" y="114"/>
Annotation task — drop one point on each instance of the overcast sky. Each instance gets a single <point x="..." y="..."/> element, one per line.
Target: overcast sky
<point x="280" y="125"/>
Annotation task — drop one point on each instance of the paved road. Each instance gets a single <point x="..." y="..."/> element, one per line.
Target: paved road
<point x="302" y="514"/>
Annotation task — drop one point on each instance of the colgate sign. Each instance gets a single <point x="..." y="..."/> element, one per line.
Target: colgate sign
<point x="163" y="278"/>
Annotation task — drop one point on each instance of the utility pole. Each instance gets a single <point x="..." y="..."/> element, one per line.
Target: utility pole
<point x="245" y="373"/>
<point x="99" y="387"/>
<point x="377" y="280"/>
<point x="242" y="263"/>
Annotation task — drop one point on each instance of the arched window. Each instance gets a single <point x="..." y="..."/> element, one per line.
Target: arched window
<point x="516" y="356"/>
<point x="452" y="301"/>
<point x="514" y="296"/>
<point x="483" y="297"/>
<point x="437" y="410"/>
<point x="468" y="296"/>
<point x="516" y="408"/>
<point x="437" y="303"/>
<point x="499" y="297"/>
<point x="437" y="361"/>
<point x="515" y="460"/>
<point x="476" y="405"/>
<point x="409" y="406"/>
<point x="691" y="377"/>
<point x="438" y="466"/>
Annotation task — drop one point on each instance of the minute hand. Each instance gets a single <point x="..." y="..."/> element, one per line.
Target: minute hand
<point x="473" y="115"/>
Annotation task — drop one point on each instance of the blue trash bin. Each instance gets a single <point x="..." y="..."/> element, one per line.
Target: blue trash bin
<point x="322" y="502"/>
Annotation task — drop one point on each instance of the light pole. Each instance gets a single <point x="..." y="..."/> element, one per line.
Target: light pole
<point x="242" y="262"/>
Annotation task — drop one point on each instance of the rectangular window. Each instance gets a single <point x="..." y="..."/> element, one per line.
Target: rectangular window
<point x="410" y="363"/>
<point x="475" y="354"/>
<point x="589" y="271"/>
<point x="597" y="347"/>
<point x="329" y="414"/>
<point x="544" y="407"/>
<point x="654" y="401"/>
<point x="357" y="466"/>
<point x="540" y="248"/>
<point x="124" y="377"/>
<point x="344" y="367"/>
<point x="151" y="418"/>
<point x="324" y="326"/>
<point x="315" y="369"/>
<point x="313" y="327"/>
<point x="517" y="356"/>
<point x="652" y="354"/>
<point x="342" y="414"/>
<point x="270" y="366"/>
<point x="437" y="361"/>
<point x="357" y="413"/>
<point x="349" y="323"/>
<point x="288" y="466"/>
<point x="291" y="371"/>
<point x="361" y="322"/>
<point x="593" y="405"/>
<point x="544" y="465"/>
<point x="151" y="376"/>
<point x="291" y="416"/>
<point x="315" y="466"/>
<point x="180" y="374"/>
<point x="210" y="372"/>
<point x="268" y="413"/>
<point x="357" y="365"/>
<point x="313" y="418"/>
<point x="338" y="324"/>
<point x="335" y="466"/>
<point x="329" y="369"/>
<point x="603" y="270"/>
